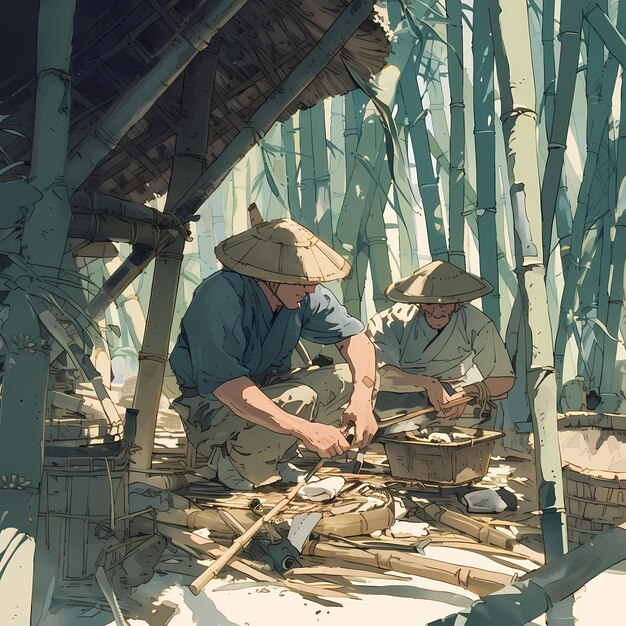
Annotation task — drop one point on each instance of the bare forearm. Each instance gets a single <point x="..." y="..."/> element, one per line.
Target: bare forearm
<point x="359" y="353"/>
<point x="392" y="377"/>
<point x="247" y="401"/>
<point x="497" y="386"/>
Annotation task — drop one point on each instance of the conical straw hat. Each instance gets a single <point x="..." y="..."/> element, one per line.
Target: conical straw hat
<point x="439" y="282"/>
<point x="282" y="251"/>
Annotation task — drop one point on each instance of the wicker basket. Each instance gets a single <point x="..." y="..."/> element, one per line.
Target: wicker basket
<point x="437" y="465"/>
<point x="595" y="499"/>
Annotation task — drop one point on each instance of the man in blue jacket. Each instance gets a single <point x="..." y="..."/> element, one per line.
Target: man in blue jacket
<point x="242" y="405"/>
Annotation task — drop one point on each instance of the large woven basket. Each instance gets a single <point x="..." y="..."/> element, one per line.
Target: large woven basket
<point x="595" y="499"/>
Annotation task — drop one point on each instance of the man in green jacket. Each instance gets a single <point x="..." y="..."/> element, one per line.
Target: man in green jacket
<point x="433" y="347"/>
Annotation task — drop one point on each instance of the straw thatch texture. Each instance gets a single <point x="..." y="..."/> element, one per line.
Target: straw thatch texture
<point x="114" y="43"/>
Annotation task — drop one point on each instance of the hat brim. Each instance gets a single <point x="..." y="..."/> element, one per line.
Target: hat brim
<point x="393" y="293"/>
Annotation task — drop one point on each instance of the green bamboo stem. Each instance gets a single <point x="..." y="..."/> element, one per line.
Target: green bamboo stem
<point x="549" y="69"/>
<point x="484" y="141"/>
<point x="337" y="164"/>
<point x="611" y="383"/>
<point x="193" y="37"/>
<point x="407" y="254"/>
<point x="189" y="156"/>
<point x="355" y="13"/>
<point x="569" y="35"/>
<point x="516" y="84"/>
<point x="534" y="594"/>
<point x="287" y="134"/>
<point x="427" y="181"/>
<point x="614" y="41"/>
<point x="315" y="177"/>
<point x="457" y="133"/>
<point x="353" y="287"/>
<point x="598" y="116"/>
<point x="25" y="380"/>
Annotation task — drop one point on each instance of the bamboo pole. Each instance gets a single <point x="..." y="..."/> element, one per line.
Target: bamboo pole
<point x="363" y="185"/>
<point x="287" y="134"/>
<point x="314" y="177"/>
<point x="516" y="83"/>
<point x="484" y="141"/>
<point x="571" y="19"/>
<point x="474" y="579"/>
<point x="599" y="110"/>
<point x="190" y="153"/>
<point x="25" y="378"/>
<point x="193" y="37"/>
<point x="454" y="31"/>
<point x="611" y="383"/>
<point x="614" y="41"/>
<point x="427" y="181"/>
<point x="355" y="13"/>
<point x="534" y="594"/>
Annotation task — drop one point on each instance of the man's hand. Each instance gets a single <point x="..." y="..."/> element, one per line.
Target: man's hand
<point x="359" y="411"/>
<point x="327" y="441"/>
<point x="441" y="399"/>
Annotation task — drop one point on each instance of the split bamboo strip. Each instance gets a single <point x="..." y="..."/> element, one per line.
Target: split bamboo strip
<point x="476" y="580"/>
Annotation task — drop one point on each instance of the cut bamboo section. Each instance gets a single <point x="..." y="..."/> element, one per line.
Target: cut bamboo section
<point x="344" y="525"/>
<point x="475" y="580"/>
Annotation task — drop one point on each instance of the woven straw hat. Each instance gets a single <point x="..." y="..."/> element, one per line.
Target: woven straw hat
<point x="438" y="282"/>
<point x="282" y="251"/>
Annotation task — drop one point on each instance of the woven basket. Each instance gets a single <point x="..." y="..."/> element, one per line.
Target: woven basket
<point x="595" y="499"/>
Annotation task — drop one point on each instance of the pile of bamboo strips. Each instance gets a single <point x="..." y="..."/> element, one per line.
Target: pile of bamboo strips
<point x="331" y="567"/>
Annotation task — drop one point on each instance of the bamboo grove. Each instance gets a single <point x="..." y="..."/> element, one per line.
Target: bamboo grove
<point x="491" y="139"/>
<point x="426" y="162"/>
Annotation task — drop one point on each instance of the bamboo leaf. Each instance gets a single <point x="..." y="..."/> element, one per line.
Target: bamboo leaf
<point x="269" y="174"/>
<point x="601" y="326"/>
<point x="333" y="148"/>
<point x="12" y="166"/>
<point x="10" y="131"/>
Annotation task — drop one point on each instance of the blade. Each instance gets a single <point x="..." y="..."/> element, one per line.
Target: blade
<point x="301" y="527"/>
<point x="414" y="423"/>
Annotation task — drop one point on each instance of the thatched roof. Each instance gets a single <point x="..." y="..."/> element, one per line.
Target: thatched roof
<point x="114" y="41"/>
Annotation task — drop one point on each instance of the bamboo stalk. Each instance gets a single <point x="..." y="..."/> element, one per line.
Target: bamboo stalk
<point x="614" y="41"/>
<point x="193" y="37"/>
<point x="315" y="178"/>
<point x="611" y="383"/>
<point x="25" y="376"/>
<point x="476" y="580"/>
<point x="516" y="83"/>
<point x="289" y="144"/>
<point x="454" y="31"/>
<point x="484" y="141"/>
<point x="355" y="13"/>
<point x="599" y="110"/>
<point x="534" y="594"/>
<point x="427" y="181"/>
<point x="571" y="18"/>
<point x="190" y="153"/>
